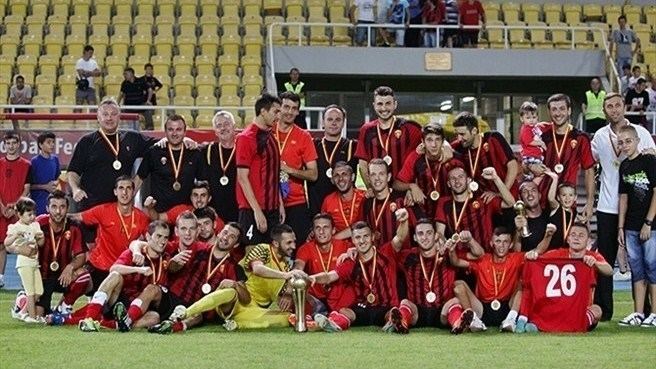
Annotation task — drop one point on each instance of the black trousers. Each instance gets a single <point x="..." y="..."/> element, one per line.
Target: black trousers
<point x="607" y="246"/>
<point x="298" y="217"/>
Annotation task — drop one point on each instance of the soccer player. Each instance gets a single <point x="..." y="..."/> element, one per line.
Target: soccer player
<point x="497" y="296"/>
<point x="345" y="204"/>
<point x="172" y="170"/>
<point x="15" y="182"/>
<point x="320" y="255"/>
<point x="464" y="210"/>
<point x="424" y="175"/>
<point x="557" y="288"/>
<point x="119" y="223"/>
<point x="535" y="219"/>
<point x="258" y="173"/>
<point x="378" y="211"/>
<point x="219" y="167"/>
<point x="373" y="274"/>
<point x="388" y="137"/>
<point x="331" y="149"/>
<point x="569" y="150"/>
<point x="298" y="165"/>
<point x="44" y="172"/>
<point x="430" y="283"/>
<point x="126" y="280"/>
<point x="483" y="150"/>
<point x="62" y="257"/>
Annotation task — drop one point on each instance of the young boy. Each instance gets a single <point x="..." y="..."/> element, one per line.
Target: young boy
<point x="635" y="232"/>
<point x="530" y="137"/>
<point x="44" y="171"/>
<point x="23" y="237"/>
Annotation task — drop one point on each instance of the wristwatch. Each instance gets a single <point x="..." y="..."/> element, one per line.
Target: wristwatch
<point x="648" y="222"/>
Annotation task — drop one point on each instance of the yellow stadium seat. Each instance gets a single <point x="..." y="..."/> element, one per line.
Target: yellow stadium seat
<point x="164" y="26"/>
<point x="230" y="44"/>
<point x="182" y="64"/>
<point x="251" y="60"/>
<point x="252" y="8"/>
<point x="597" y="36"/>
<point x="253" y="30"/>
<point x="54" y="44"/>
<point x="294" y="8"/>
<point x="65" y="100"/>
<point x="592" y="12"/>
<point x="141" y="44"/>
<point x="209" y="45"/>
<point x="188" y="9"/>
<point x="60" y="7"/>
<point x="144" y="24"/>
<point x="137" y="62"/>
<point x="183" y="84"/>
<point x="296" y="36"/>
<point x="230" y="30"/>
<point x="9" y="45"/>
<point x="539" y="35"/>
<point x="26" y="64"/>
<point x="123" y="7"/>
<point x="34" y="29"/>
<point x="643" y="31"/>
<point x="253" y="45"/>
<point x="99" y="30"/>
<point x="495" y="35"/>
<point x="39" y="10"/>
<point x="50" y="63"/>
<point x="78" y="27"/>
<point x="120" y="45"/>
<point x="186" y="45"/>
<point x="103" y="7"/>
<point x="205" y="66"/>
<point x="228" y="64"/>
<point x="209" y="28"/>
<point x="75" y="44"/>
<point x="206" y="100"/>
<point x="205" y="90"/>
<point x="166" y="8"/>
<point x="581" y="37"/>
<point x="187" y="26"/>
<point x="184" y="101"/>
<point x="650" y="14"/>
<point x="252" y="90"/>
<point x="318" y="36"/>
<point x="144" y="9"/>
<point x="552" y="13"/>
<point x="337" y="14"/>
<point x="249" y="100"/>
<point x="531" y="12"/>
<point x="278" y="35"/>
<point x="228" y="80"/>
<point x="268" y="20"/>
<point x="633" y="14"/>
<point x="209" y="7"/>
<point x="611" y="13"/>
<point x="164" y="45"/>
<point x="517" y="36"/>
<point x="230" y="11"/>
<point x="510" y="12"/>
<point x="81" y="8"/>
<point x="18" y="7"/>
<point x="229" y="100"/>
<point x="252" y="20"/>
<point x="572" y="13"/>
<point x="204" y="120"/>
<point x="206" y="79"/>
<point x="559" y="36"/>
<point x="32" y="44"/>
<point x="341" y="36"/>
<point x="272" y="7"/>
<point x="112" y="85"/>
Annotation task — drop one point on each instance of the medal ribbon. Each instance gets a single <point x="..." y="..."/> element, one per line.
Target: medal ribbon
<point x="282" y="148"/>
<point x="478" y="156"/>
<point x="559" y="149"/>
<point x="176" y="167"/>
<point x="275" y="259"/>
<point x="380" y="136"/>
<point x="123" y="225"/>
<point x="373" y="273"/>
<point x="423" y="270"/>
<point x="382" y="209"/>
<point x="496" y="283"/>
<point x="224" y="167"/>
<point x="115" y="150"/>
<point x="566" y="226"/>
<point x="434" y="179"/>
<point x="156" y="273"/>
<point x="55" y="245"/>
<point x="458" y="218"/>
<point x="325" y="266"/>
<point x="210" y="271"/>
<point x="329" y="159"/>
<point x="615" y="150"/>
<point x="341" y="209"/>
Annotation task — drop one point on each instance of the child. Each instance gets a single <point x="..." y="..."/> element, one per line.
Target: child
<point x="44" y="171"/>
<point x="563" y="213"/>
<point x="530" y="138"/>
<point x="23" y="237"/>
<point x="635" y="227"/>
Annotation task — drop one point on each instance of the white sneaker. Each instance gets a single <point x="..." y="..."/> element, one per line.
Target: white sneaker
<point x="508" y="325"/>
<point x="64" y="309"/>
<point x="179" y="313"/>
<point x="29" y="319"/>
<point x="650" y="321"/>
<point x="477" y="324"/>
<point x="632" y="320"/>
<point x="2" y="282"/>
<point x="619" y="276"/>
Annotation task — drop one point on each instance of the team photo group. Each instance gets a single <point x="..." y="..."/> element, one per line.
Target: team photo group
<point x="408" y="226"/>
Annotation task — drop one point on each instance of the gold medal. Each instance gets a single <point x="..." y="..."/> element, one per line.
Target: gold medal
<point x="117" y="165"/>
<point x="177" y="186"/>
<point x="114" y="149"/>
<point x="431" y="297"/>
<point x="176" y="167"/>
<point x="473" y="186"/>
<point x="434" y="195"/>
<point x="387" y="159"/>
<point x="206" y="288"/>
<point x="224" y="181"/>
<point x="495" y="305"/>
<point x="371" y="298"/>
<point x="329" y="172"/>
<point x="54" y="266"/>
<point x="559" y="168"/>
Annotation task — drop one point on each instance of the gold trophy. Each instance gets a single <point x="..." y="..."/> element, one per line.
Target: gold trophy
<point x="520" y="209"/>
<point x="299" y="288"/>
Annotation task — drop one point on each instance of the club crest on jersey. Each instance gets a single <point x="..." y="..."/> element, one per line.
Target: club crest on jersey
<point x="392" y="207"/>
<point x="476" y="205"/>
<point x="486" y="147"/>
<point x="573" y="143"/>
<point x="163" y="160"/>
<point x="397" y="134"/>
<point x="67" y="235"/>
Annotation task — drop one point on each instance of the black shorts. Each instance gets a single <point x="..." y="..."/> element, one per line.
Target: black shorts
<point x="469" y="37"/>
<point x="50" y="286"/>
<point x="369" y="315"/>
<point x="97" y="276"/>
<point x="251" y="234"/>
<point x="494" y="318"/>
<point x="298" y="217"/>
<point x="429" y="317"/>
<point x="167" y="303"/>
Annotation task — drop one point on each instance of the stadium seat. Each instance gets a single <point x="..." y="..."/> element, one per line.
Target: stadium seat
<point x="538" y="36"/>
<point x="65" y="100"/>
<point x="229" y="100"/>
<point x="9" y="45"/>
<point x="633" y="14"/>
<point x="592" y="12"/>
<point x="294" y="8"/>
<point x="161" y="65"/>
<point x="103" y="7"/>
<point x="510" y="12"/>
<point x="230" y="44"/>
<point x="206" y="100"/>
<point x="81" y="8"/>
<point x="187" y="26"/>
<point x="206" y="90"/>
<point x="517" y="36"/>
<point x="228" y="64"/>
<point x="164" y="26"/>
<point x="572" y="13"/>
<point x="78" y="25"/>
<point x="144" y="24"/>
<point x="32" y="44"/>
<point x="183" y="84"/>
<point x="296" y="35"/>
<point x="227" y="82"/>
<point x="230" y="12"/>
<point x="186" y="45"/>
<point x="318" y="36"/>
<point x="39" y="8"/>
<point x="252" y="8"/>
<point x="206" y="79"/>
<point x="611" y="13"/>
<point x="48" y="65"/>
<point x="75" y="44"/>
<point x="166" y="8"/>
<point x="337" y="14"/>
<point x="552" y="13"/>
<point x="137" y="62"/>
<point x="19" y="8"/>
<point x="209" y="7"/>
<point x="253" y="30"/>
<point x="164" y="45"/>
<point x="650" y="15"/>
<point x="341" y="36"/>
<point x="495" y="35"/>
<point x="272" y="7"/>
<point x="185" y="101"/>
<point x="188" y="8"/>
<point x="120" y="45"/>
<point x="123" y="7"/>
<point x="278" y="35"/>
<point x="54" y="43"/>
<point x="598" y="37"/>
<point x="145" y="9"/>
<point x="205" y="65"/>
<point x="559" y="36"/>
<point x="204" y="118"/>
<point x="182" y="64"/>
<point x="581" y="38"/>
<point x="531" y="12"/>
<point x="317" y="12"/>
<point x="643" y="31"/>
<point x="209" y="45"/>
<point x="141" y="44"/>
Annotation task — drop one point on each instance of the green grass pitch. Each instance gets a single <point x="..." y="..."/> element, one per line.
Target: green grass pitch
<point x="35" y="346"/>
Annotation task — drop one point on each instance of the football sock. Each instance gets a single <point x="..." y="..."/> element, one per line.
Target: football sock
<point x="77" y="289"/>
<point x="406" y="314"/>
<point x="179" y="326"/>
<point x="108" y="323"/>
<point x="94" y="309"/>
<point x="453" y="314"/>
<point x="212" y="301"/>
<point x="134" y="311"/>
<point x="341" y="320"/>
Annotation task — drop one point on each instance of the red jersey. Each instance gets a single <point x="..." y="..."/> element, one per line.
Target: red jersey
<point x="397" y="141"/>
<point x="380" y="216"/>
<point x="173" y="213"/>
<point x="556" y="292"/>
<point x="317" y="261"/>
<point x="382" y="284"/>
<point x="187" y="282"/>
<point x="428" y="175"/>
<point x="418" y="272"/>
<point x="494" y="151"/>
<point x="134" y="283"/>
<point x="344" y="213"/>
<point x="497" y="280"/>
<point x="470" y="13"/>
<point x="526" y="136"/>
<point x="68" y="242"/>
<point x="115" y="232"/>
<point x="14" y="174"/>
<point x="296" y="150"/>
<point x="472" y="215"/>
<point x="575" y="152"/>
<point x="258" y="151"/>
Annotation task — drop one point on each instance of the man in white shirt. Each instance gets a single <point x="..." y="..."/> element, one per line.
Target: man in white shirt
<point x="366" y="14"/>
<point x="607" y="153"/>
<point x="86" y="68"/>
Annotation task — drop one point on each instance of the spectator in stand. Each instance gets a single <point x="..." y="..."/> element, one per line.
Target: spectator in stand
<point x="651" y="90"/>
<point x="637" y="100"/>
<point x="625" y="74"/>
<point x="593" y="106"/>
<point x="44" y="172"/>
<point x="432" y="14"/>
<point x="398" y="13"/>
<point x="623" y="38"/>
<point x="471" y="11"/>
<point x="154" y="85"/>
<point x="413" y="35"/>
<point x="20" y="94"/>
<point x="636" y="72"/>
<point x="87" y="68"/>
<point x="135" y="92"/>
<point x="366" y="14"/>
<point x="451" y="18"/>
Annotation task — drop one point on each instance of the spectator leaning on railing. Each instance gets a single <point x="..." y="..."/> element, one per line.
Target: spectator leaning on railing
<point x="134" y="91"/>
<point x="432" y="14"/>
<point x="87" y="68"/>
<point x="471" y="11"/>
<point x="623" y="37"/>
<point x="366" y="14"/>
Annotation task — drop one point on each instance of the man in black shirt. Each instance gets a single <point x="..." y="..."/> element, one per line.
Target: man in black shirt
<point x="154" y="85"/>
<point x="172" y="169"/>
<point x="637" y="100"/>
<point x="134" y="92"/>
<point x="536" y="218"/>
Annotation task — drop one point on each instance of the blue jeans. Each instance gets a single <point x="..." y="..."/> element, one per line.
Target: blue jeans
<point x="620" y="62"/>
<point x="642" y="256"/>
<point x="430" y="38"/>
<point x="361" y="34"/>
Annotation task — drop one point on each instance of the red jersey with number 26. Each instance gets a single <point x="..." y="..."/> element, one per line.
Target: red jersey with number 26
<point x="557" y="293"/>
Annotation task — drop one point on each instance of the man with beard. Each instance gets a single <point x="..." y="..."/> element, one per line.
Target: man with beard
<point x="344" y="205"/>
<point x="568" y="149"/>
<point x="536" y="218"/>
<point x="219" y="167"/>
<point x="172" y="170"/>
<point x="331" y="149"/>
<point x="388" y="137"/>
<point x="298" y="165"/>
